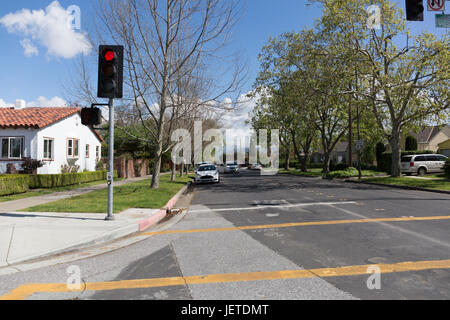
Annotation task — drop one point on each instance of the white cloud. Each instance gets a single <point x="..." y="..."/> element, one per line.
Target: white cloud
<point x="4" y="104"/>
<point x="49" y="28"/>
<point x="39" y="102"/>
<point x="235" y="120"/>
<point x="44" y="102"/>
<point x="30" y="49"/>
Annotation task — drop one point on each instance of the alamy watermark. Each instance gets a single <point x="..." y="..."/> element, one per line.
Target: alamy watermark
<point x="253" y="146"/>
<point x="374" y="281"/>
<point x="74" y="19"/>
<point x="374" y="19"/>
<point x="74" y="279"/>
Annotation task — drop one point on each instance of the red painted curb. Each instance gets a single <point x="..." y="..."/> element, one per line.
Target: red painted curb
<point x="154" y="219"/>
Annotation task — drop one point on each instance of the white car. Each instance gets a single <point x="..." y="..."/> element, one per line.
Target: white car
<point x="256" y="166"/>
<point x="207" y="173"/>
<point x="423" y="164"/>
<point x="231" y="167"/>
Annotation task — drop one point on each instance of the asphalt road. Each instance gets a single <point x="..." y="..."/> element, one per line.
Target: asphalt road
<point x="274" y="237"/>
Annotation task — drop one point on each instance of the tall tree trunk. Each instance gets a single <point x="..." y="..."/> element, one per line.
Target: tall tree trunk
<point x="326" y="162"/>
<point x="173" y="174"/>
<point x="287" y="158"/>
<point x="396" y="153"/>
<point x="158" y="153"/>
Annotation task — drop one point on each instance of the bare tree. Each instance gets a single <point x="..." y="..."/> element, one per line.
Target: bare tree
<point x="172" y="65"/>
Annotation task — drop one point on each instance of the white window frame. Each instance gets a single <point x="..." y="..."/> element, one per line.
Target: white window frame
<point x="22" y="142"/>
<point x="52" y="149"/>
<point x="72" y="155"/>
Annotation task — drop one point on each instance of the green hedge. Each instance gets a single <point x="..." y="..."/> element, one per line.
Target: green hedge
<point x="447" y="168"/>
<point x="38" y="181"/>
<point x="13" y="184"/>
<point x="386" y="158"/>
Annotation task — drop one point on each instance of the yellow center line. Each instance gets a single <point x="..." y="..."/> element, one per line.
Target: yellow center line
<point x="299" y="224"/>
<point x="27" y="290"/>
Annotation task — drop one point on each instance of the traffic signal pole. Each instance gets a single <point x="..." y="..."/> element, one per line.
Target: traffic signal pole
<point x="110" y="216"/>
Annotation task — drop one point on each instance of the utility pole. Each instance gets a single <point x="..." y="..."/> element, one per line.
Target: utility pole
<point x="110" y="178"/>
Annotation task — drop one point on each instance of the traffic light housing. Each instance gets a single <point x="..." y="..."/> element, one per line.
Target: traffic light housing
<point x="414" y="10"/>
<point x="91" y="116"/>
<point x="110" y="72"/>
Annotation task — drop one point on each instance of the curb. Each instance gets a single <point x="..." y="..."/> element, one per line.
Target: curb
<point x="154" y="219"/>
<point x="107" y="236"/>
<point x="398" y="187"/>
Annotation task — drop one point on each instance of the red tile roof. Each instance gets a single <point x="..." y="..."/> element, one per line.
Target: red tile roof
<point x="34" y="117"/>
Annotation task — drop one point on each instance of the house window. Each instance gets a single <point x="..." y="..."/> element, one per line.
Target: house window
<point x="11" y="147"/>
<point x="73" y="147"/>
<point x="87" y="151"/>
<point x="97" y="152"/>
<point x="48" y="149"/>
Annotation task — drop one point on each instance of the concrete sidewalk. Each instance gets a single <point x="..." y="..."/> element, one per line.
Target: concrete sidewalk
<point x="29" y="236"/>
<point x="16" y="205"/>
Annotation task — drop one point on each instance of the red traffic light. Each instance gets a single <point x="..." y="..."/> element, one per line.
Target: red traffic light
<point x="109" y="55"/>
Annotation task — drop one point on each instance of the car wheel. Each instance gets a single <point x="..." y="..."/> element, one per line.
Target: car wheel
<point x="422" y="172"/>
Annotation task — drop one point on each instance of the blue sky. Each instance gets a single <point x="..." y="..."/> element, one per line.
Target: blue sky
<point x="37" y="74"/>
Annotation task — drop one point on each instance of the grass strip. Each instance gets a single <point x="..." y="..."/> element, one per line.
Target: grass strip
<point x="132" y="195"/>
<point x="442" y="184"/>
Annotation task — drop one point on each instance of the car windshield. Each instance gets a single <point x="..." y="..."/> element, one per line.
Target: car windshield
<point x="207" y="168"/>
<point x="406" y="159"/>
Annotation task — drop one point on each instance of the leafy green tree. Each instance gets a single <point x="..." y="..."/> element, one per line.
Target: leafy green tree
<point x="405" y="84"/>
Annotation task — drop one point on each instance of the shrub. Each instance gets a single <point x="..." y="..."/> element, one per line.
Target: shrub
<point x="447" y="168"/>
<point x="13" y="184"/>
<point x="410" y="143"/>
<point x="30" y="166"/>
<point x="341" y="174"/>
<point x="38" y="181"/>
<point x="339" y="166"/>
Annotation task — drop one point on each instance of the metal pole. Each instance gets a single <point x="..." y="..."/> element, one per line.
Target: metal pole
<point x="350" y="131"/>
<point x="110" y="216"/>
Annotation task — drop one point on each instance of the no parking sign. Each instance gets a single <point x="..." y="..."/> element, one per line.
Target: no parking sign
<point x="436" y="5"/>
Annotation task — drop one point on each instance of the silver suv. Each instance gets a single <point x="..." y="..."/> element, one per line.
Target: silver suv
<point x="423" y="164"/>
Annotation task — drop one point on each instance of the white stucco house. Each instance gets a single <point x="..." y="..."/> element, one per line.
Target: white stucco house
<point x="53" y="135"/>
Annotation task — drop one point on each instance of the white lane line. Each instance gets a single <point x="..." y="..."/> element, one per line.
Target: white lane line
<point x="279" y="206"/>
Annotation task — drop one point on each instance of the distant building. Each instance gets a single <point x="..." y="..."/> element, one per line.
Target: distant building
<point x="444" y="148"/>
<point x="338" y="155"/>
<point x="53" y="135"/>
<point x="430" y="137"/>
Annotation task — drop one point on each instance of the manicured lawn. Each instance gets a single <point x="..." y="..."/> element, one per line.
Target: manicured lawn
<point x="132" y="195"/>
<point x="42" y="192"/>
<point x="442" y="184"/>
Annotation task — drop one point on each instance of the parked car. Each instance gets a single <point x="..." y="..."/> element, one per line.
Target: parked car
<point x="201" y="164"/>
<point x="423" y="164"/>
<point x="231" y="167"/>
<point x="256" y="166"/>
<point x="207" y="173"/>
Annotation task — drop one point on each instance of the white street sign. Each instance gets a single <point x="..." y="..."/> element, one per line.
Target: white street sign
<point x="436" y="5"/>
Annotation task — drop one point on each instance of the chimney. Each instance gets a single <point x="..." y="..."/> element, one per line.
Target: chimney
<point x="20" y="104"/>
